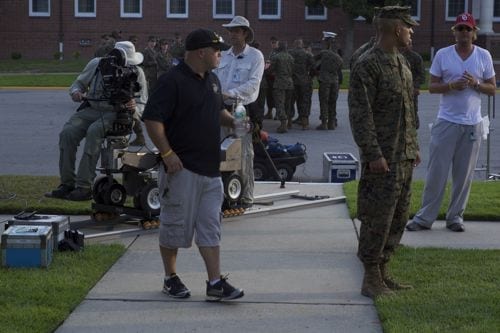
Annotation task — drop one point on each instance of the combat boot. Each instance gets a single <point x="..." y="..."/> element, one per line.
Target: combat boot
<point x="289" y="123"/>
<point x="331" y="125"/>
<point x="304" y="121"/>
<point x="283" y="127"/>
<point x="269" y="114"/>
<point x="389" y="281"/>
<point x="373" y="285"/>
<point x="323" y="126"/>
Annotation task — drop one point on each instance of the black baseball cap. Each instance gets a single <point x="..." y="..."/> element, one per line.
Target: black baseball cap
<point x="201" y="38"/>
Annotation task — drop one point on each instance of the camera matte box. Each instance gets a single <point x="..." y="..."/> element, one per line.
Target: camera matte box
<point x="58" y="223"/>
<point x="27" y="246"/>
<point x="339" y="167"/>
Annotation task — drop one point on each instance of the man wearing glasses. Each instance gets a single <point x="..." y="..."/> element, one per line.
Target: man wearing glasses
<point x="461" y="73"/>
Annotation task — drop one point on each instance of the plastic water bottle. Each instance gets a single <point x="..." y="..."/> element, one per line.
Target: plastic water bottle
<point x="240" y="120"/>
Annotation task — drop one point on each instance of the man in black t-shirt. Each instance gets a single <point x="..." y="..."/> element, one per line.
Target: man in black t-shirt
<point x="183" y="118"/>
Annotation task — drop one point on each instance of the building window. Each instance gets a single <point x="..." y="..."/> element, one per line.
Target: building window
<point x="496" y="10"/>
<point x="317" y="12"/>
<point x="270" y="9"/>
<point x="85" y="8"/>
<point x="415" y="8"/>
<point x="223" y="8"/>
<point x="177" y="8"/>
<point x="454" y="8"/>
<point x="39" y="7"/>
<point x="130" y="8"/>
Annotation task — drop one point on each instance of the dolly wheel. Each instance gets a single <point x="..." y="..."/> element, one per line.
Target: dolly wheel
<point x="99" y="188"/>
<point x="149" y="199"/>
<point x="285" y="171"/>
<point x="259" y="171"/>
<point x="233" y="187"/>
<point x="115" y="195"/>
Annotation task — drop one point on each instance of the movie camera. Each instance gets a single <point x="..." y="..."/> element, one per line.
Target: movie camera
<point x="119" y="86"/>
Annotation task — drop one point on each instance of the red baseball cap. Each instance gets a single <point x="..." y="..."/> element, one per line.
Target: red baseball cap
<point x="466" y="19"/>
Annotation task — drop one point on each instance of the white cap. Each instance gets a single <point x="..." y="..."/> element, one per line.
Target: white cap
<point x="328" y="34"/>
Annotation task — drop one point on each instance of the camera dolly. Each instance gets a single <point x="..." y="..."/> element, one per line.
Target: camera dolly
<point x="135" y="174"/>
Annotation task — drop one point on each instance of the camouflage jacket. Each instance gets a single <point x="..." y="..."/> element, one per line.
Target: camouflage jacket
<point x="329" y="64"/>
<point x="359" y="52"/>
<point x="381" y="107"/>
<point x="177" y="50"/>
<point x="282" y="69"/>
<point x="303" y="64"/>
<point x="416" y="66"/>
<point x="164" y="61"/>
<point x="150" y="56"/>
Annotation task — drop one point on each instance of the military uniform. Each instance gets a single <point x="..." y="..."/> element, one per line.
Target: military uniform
<point x="107" y="44"/>
<point x="268" y="77"/>
<point x="164" y="61"/>
<point x="418" y="72"/>
<point x="177" y="51"/>
<point x="150" y="66"/>
<point x="303" y="84"/>
<point x="359" y="52"/>
<point x="383" y="126"/>
<point x="282" y="69"/>
<point x="329" y="64"/>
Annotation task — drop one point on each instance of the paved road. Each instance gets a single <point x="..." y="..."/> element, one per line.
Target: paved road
<point x="32" y="119"/>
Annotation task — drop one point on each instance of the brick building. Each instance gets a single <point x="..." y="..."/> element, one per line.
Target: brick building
<point x="48" y="28"/>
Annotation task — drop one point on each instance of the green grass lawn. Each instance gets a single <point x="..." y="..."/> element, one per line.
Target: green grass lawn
<point x="40" y="299"/>
<point x="483" y="202"/>
<point x="454" y="291"/>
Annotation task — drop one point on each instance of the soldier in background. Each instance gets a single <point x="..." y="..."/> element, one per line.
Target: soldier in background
<point x="268" y="76"/>
<point x="106" y="44"/>
<point x="134" y="40"/>
<point x="362" y="49"/>
<point x="383" y="126"/>
<point x="150" y="64"/>
<point x="282" y="69"/>
<point x="418" y="72"/>
<point x="164" y="59"/>
<point x="117" y="35"/>
<point x="177" y="49"/>
<point x="366" y="46"/>
<point x="302" y="82"/>
<point x="329" y="63"/>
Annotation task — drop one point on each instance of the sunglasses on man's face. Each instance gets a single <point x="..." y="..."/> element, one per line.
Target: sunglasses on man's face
<point x="463" y="27"/>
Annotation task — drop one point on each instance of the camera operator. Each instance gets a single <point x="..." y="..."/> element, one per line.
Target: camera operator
<point x="101" y="112"/>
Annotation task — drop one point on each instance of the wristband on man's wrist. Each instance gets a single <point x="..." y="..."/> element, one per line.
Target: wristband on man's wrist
<point x="450" y="85"/>
<point x="167" y="154"/>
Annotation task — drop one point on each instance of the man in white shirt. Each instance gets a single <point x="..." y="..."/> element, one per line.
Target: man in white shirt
<point x="460" y="73"/>
<point x="240" y="72"/>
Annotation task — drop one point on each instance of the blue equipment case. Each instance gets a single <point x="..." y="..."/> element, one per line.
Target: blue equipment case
<point x="27" y="246"/>
<point x="339" y="167"/>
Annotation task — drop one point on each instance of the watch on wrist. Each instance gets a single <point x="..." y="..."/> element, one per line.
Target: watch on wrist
<point x="476" y="85"/>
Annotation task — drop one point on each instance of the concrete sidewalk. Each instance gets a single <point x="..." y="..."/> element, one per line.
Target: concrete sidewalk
<point x="299" y="270"/>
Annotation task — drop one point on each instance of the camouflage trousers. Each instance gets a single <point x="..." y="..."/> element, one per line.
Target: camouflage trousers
<point x="328" y="94"/>
<point x="383" y="209"/>
<point x="302" y="95"/>
<point x="283" y="102"/>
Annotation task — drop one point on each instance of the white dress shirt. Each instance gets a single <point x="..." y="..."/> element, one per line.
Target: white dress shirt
<point x="240" y="74"/>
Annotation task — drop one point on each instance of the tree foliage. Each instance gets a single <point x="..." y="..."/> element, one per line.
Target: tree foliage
<point x="356" y="8"/>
